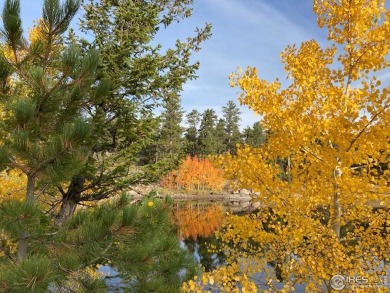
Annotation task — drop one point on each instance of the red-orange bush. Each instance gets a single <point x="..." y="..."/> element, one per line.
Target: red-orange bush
<point x="194" y="175"/>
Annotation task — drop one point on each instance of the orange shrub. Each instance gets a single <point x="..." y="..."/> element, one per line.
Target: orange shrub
<point x="194" y="175"/>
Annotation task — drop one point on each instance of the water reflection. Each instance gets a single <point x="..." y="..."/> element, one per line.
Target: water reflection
<point x="200" y="248"/>
<point x="210" y="259"/>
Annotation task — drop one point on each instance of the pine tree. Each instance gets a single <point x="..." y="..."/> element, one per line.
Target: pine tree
<point x="207" y="139"/>
<point x="255" y="135"/>
<point x="142" y="75"/>
<point x="48" y="134"/>
<point x="169" y="141"/>
<point x="45" y="131"/>
<point x="220" y="136"/>
<point x="137" y="242"/>
<point x="191" y="135"/>
<point x="231" y="114"/>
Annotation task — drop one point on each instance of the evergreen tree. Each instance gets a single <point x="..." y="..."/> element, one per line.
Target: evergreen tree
<point x="45" y="133"/>
<point x="207" y="139"/>
<point x="255" y="135"/>
<point x="220" y="136"/>
<point x="231" y="114"/>
<point x="137" y="242"/>
<point x="169" y="142"/>
<point x="247" y="134"/>
<point x="47" y="89"/>
<point x="191" y="135"/>
<point x="141" y="76"/>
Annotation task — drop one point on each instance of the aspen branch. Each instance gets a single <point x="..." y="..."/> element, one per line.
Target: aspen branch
<point x="308" y="151"/>
<point x="365" y="127"/>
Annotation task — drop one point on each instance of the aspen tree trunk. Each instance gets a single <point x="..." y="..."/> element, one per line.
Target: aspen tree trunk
<point x="287" y="259"/>
<point x="336" y="214"/>
<point x="336" y="206"/>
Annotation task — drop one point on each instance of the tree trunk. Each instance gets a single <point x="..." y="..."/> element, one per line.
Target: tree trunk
<point x="336" y="214"/>
<point x="22" y="244"/>
<point x="22" y="247"/>
<point x="30" y="189"/>
<point x="68" y="207"/>
<point x="336" y="206"/>
<point x="70" y="200"/>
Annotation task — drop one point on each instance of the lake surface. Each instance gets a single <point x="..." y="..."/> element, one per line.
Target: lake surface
<point x="199" y="248"/>
<point x="209" y="260"/>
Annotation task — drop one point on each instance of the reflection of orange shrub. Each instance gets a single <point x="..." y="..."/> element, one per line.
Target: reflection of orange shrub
<point x="194" y="174"/>
<point x="194" y="222"/>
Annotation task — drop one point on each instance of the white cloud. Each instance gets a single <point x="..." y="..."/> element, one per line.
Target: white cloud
<point x="261" y="17"/>
<point x="244" y="33"/>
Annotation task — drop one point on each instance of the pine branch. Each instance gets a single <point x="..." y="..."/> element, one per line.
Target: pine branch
<point x="68" y="11"/>
<point x="12" y="25"/>
<point x="16" y="165"/>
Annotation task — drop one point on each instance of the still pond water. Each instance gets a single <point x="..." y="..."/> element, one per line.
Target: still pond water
<point x="199" y="248"/>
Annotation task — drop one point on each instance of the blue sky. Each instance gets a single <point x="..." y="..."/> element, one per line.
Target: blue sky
<point x="245" y="32"/>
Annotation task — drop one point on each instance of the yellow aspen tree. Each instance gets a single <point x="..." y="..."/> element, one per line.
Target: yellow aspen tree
<point x="325" y="208"/>
<point x="12" y="185"/>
